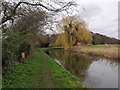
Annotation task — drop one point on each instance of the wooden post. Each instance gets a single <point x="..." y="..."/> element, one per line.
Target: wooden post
<point x="23" y="55"/>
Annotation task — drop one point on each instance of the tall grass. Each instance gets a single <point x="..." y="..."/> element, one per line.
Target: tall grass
<point x="108" y="51"/>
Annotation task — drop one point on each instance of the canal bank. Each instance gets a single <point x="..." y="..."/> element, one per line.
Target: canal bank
<point x="40" y="71"/>
<point x="93" y="72"/>
<point x="110" y="51"/>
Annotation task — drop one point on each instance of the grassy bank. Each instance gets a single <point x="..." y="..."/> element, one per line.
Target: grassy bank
<point x="40" y="71"/>
<point x="107" y="51"/>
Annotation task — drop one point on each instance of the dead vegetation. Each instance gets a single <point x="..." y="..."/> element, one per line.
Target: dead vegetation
<point x="107" y="51"/>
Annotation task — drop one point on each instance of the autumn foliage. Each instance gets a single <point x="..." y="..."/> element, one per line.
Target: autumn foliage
<point x="73" y="31"/>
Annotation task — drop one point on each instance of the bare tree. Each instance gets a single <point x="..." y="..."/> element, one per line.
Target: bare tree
<point x="10" y="10"/>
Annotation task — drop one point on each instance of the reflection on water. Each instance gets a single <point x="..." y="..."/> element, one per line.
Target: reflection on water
<point x="93" y="72"/>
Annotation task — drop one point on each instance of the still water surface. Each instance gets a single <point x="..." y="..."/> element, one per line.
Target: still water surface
<point x="93" y="72"/>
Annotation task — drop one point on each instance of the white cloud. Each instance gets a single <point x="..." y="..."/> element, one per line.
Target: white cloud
<point x="101" y="17"/>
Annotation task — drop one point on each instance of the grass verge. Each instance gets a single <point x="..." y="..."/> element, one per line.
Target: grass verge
<point x="40" y="71"/>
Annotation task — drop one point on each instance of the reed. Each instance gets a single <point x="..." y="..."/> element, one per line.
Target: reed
<point x="108" y="51"/>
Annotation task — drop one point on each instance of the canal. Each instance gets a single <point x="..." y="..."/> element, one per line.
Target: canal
<point x="94" y="72"/>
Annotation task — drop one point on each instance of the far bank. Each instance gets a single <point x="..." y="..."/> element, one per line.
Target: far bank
<point x="110" y="51"/>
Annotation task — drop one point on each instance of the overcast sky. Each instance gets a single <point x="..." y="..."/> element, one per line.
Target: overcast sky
<point x="101" y="16"/>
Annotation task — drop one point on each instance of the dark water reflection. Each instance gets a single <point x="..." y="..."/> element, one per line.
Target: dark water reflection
<point x="93" y="72"/>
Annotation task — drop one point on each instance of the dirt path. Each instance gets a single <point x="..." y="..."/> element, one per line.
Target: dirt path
<point x="48" y="77"/>
<point x="42" y="78"/>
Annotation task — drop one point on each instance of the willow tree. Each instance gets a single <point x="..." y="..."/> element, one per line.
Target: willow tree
<point x="73" y="31"/>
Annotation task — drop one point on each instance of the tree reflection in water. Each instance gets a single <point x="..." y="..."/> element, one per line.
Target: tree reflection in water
<point x="77" y="64"/>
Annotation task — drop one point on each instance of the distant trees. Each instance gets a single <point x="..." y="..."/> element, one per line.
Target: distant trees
<point x="102" y="39"/>
<point x="73" y="31"/>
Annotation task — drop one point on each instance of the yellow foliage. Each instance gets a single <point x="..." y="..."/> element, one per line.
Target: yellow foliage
<point x="62" y="40"/>
<point x="74" y="31"/>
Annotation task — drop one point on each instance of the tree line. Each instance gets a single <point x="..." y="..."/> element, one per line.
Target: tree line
<point x="73" y="30"/>
<point x="102" y="39"/>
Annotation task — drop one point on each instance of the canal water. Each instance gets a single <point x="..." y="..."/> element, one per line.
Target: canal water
<point x="94" y="72"/>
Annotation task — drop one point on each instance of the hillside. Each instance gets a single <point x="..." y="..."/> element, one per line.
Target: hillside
<point x="97" y="39"/>
<point x="102" y="39"/>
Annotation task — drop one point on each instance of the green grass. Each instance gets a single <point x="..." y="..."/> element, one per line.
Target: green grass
<point x="52" y="47"/>
<point x="40" y="71"/>
<point x="98" y="46"/>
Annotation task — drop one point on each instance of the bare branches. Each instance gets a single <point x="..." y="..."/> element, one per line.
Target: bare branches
<point x="12" y="11"/>
<point x="37" y="4"/>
